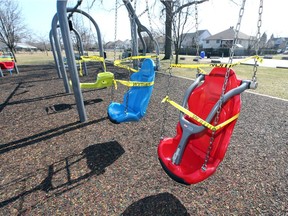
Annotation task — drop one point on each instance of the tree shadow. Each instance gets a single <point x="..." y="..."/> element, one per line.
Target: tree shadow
<point x="49" y="134"/>
<point x="161" y="204"/>
<point x="67" y="174"/>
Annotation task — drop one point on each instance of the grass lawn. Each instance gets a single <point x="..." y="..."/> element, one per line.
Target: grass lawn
<point x="271" y="81"/>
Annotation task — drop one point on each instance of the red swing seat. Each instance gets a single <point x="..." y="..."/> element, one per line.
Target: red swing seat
<point x="7" y="66"/>
<point x="200" y="102"/>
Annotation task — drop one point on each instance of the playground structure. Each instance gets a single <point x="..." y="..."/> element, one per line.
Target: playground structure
<point x="198" y="128"/>
<point x="207" y="118"/>
<point x="105" y="78"/>
<point x="7" y="63"/>
<point x="95" y="167"/>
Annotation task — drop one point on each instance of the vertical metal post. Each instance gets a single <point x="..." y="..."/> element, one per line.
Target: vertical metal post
<point x="134" y="39"/>
<point x="79" y="40"/>
<point x="59" y="54"/>
<point x="54" y="54"/>
<point x="64" y="27"/>
<point x="1" y="73"/>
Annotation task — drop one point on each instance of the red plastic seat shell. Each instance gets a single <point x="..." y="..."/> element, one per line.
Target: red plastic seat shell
<point x="200" y="102"/>
<point x="7" y="65"/>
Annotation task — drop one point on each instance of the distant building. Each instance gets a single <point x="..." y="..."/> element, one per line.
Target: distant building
<point x="280" y="43"/>
<point x="225" y="39"/>
<point x="25" y="47"/>
<point x="119" y="44"/>
<point x="19" y="47"/>
<point x="189" y="39"/>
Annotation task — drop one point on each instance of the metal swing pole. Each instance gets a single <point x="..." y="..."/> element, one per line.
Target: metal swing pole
<point x="55" y="54"/>
<point x="81" y="50"/>
<point x="142" y="28"/>
<point x="65" y="31"/>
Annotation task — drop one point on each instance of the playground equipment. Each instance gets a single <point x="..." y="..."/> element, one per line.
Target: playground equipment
<point x="7" y="63"/>
<point x="62" y="10"/>
<point x="136" y="99"/>
<point x="207" y="118"/>
<point x="136" y="29"/>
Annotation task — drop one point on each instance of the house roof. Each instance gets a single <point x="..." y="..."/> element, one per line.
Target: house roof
<point x="194" y="33"/>
<point x="228" y="35"/>
<point x="25" y="46"/>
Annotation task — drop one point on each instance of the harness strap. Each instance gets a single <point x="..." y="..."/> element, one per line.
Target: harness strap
<point x="197" y="118"/>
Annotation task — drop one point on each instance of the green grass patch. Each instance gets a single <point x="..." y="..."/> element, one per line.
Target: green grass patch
<point x="271" y="81"/>
<point x="34" y="58"/>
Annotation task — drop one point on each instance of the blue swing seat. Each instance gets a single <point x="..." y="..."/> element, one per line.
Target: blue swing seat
<point x="134" y="106"/>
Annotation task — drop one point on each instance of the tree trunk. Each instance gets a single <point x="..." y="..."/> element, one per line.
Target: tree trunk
<point x="176" y="53"/>
<point x="168" y="29"/>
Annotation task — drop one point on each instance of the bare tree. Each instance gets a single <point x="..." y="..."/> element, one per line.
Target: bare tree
<point x="179" y="25"/>
<point x="12" y="28"/>
<point x="171" y="11"/>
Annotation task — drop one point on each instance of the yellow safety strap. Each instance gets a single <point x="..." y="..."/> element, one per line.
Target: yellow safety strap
<point x="95" y="59"/>
<point x="258" y="58"/>
<point x="197" y="118"/>
<point x="80" y="67"/>
<point x="133" y="83"/>
<point x="118" y="63"/>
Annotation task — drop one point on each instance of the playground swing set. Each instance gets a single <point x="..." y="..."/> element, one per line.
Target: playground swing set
<point x="140" y="84"/>
<point x="7" y="63"/>
<point x="209" y="111"/>
<point x="207" y="118"/>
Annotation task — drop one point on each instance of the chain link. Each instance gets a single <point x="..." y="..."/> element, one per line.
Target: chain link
<point x="258" y="36"/>
<point x="227" y="74"/>
<point x="149" y="17"/>
<point x="166" y="104"/>
<point x="115" y="28"/>
<point x="197" y="35"/>
<point x="196" y="27"/>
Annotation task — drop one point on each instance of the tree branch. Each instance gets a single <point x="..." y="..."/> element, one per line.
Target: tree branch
<point x="187" y="5"/>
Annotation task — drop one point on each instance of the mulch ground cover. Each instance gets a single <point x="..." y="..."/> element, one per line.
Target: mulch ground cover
<point x="51" y="164"/>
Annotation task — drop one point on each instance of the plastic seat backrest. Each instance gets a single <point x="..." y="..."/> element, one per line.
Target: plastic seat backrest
<point x="201" y="102"/>
<point x="139" y="97"/>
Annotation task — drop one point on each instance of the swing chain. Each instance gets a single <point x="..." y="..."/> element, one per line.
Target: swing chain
<point x="196" y="27"/>
<point x="258" y="37"/>
<point x="227" y="74"/>
<point x="197" y="36"/>
<point x="149" y="17"/>
<point x="166" y="104"/>
<point x="115" y="27"/>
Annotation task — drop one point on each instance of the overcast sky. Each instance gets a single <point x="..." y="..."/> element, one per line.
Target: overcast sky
<point x="215" y="16"/>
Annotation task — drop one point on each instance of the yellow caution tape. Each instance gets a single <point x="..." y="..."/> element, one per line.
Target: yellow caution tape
<point x="133" y="83"/>
<point x="93" y="59"/>
<point x="197" y="118"/>
<point x="256" y="57"/>
<point x="118" y="63"/>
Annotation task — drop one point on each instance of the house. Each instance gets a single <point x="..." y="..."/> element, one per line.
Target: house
<point x="19" y="47"/>
<point x="25" y="47"/>
<point x="280" y="43"/>
<point x="225" y="39"/>
<point x="119" y="44"/>
<point x="189" y="39"/>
